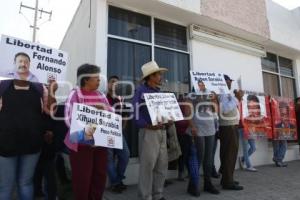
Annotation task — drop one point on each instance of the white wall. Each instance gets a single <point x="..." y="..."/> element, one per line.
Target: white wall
<point x="206" y="57"/>
<point x="189" y="5"/>
<point x="79" y="40"/>
<point x="284" y="25"/>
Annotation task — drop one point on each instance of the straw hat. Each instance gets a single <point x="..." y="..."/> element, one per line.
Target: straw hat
<point x="151" y="68"/>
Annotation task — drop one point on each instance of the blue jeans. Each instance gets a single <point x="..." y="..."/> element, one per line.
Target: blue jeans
<point x="248" y="148"/>
<point x="116" y="171"/>
<point x="279" y="149"/>
<point x="19" y="171"/>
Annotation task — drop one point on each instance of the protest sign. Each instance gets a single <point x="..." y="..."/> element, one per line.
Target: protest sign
<point x="163" y="107"/>
<point x="256" y="117"/>
<point x="213" y="81"/>
<point x="97" y="127"/>
<point x="284" y="119"/>
<point x="45" y="63"/>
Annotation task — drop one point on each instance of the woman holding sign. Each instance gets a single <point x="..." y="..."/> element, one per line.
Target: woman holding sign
<point x="22" y="131"/>
<point x="88" y="163"/>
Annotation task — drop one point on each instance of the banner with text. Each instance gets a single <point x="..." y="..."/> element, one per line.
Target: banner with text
<point x="284" y="119"/>
<point x="213" y="81"/>
<point x="96" y="127"/>
<point x="256" y="117"/>
<point x="44" y="63"/>
<point x="163" y="107"/>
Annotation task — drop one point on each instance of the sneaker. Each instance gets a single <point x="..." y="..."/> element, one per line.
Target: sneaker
<point x="167" y="183"/>
<point x="194" y="193"/>
<point x="280" y="164"/>
<point x="241" y="163"/>
<point x="117" y="189"/>
<point x="233" y="187"/>
<point x="208" y="187"/>
<point x="251" y="169"/>
<point x="123" y="186"/>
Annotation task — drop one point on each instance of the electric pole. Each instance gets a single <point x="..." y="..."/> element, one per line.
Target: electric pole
<point x="36" y="10"/>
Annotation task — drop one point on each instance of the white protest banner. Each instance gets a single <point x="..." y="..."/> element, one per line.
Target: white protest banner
<point x="97" y="127"/>
<point x="213" y="81"/>
<point x="163" y="107"/>
<point x="45" y="63"/>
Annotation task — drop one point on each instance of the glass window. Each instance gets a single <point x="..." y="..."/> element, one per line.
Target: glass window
<point x="275" y="82"/>
<point x="126" y="58"/>
<point x="177" y="78"/>
<point x="170" y="35"/>
<point x="288" y="87"/>
<point x="286" y="66"/>
<point x="129" y="24"/>
<point x="271" y="84"/>
<point x="269" y="63"/>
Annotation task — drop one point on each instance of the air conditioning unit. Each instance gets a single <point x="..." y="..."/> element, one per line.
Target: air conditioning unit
<point x="224" y="40"/>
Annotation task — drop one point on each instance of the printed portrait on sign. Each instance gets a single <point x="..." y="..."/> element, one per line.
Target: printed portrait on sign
<point x="284" y="119"/>
<point x="256" y="117"/>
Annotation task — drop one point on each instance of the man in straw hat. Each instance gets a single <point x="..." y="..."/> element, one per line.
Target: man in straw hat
<point x="152" y="139"/>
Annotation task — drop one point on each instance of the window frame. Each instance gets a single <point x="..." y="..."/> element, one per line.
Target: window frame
<point x="279" y="74"/>
<point x="152" y="43"/>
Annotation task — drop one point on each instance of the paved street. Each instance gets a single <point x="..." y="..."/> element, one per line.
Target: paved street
<point x="267" y="184"/>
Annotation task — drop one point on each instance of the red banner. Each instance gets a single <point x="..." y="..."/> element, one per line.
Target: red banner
<point x="284" y="119"/>
<point x="256" y="117"/>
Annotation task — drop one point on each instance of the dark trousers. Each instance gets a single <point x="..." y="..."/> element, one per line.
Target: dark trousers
<point x="183" y="140"/>
<point x="205" y="146"/>
<point x="45" y="170"/>
<point x="215" y="150"/>
<point x="89" y="167"/>
<point x="228" y="153"/>
<point x="61" y="169"/>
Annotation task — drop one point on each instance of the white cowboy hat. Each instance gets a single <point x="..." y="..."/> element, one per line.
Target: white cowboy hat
<point x="151" y="68"/>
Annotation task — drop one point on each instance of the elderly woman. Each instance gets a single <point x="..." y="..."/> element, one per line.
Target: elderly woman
<point x="89" y="163"/>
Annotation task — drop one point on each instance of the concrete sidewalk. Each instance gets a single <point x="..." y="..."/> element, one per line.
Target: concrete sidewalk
<point x="267" y="184"/>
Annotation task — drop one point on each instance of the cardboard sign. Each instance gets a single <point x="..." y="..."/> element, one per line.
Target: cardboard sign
<point x="284" y="119"/>
<point x="45" y="63"/>
<point x="163" y="107"/>
<point x="256" y="117"/>
<point x="213" y="81"/>
<point x="96" y="127"/>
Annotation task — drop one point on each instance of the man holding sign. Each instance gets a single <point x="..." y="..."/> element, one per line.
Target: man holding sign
<point x="229" y="120"/>
<point x="152" y="138"/>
